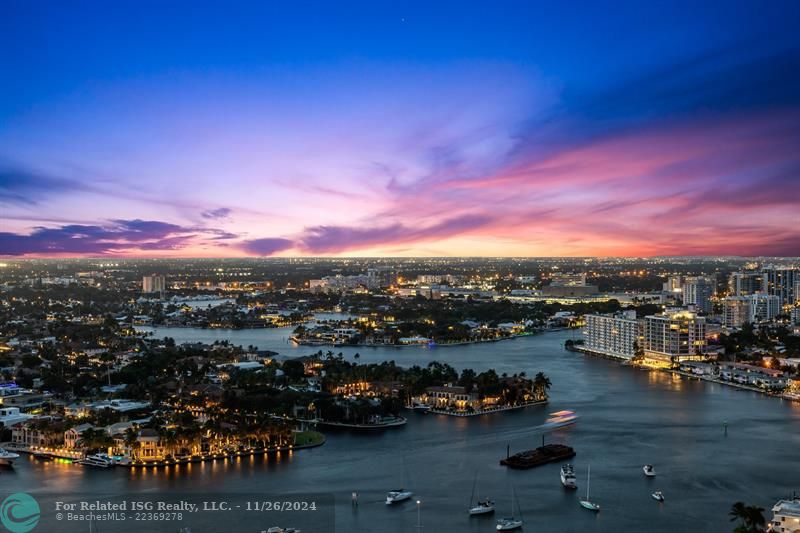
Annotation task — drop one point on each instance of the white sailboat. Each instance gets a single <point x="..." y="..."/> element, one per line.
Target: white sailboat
<point x="398" y="495"/>
<point x="508" y="523"/>
<point x="484" y="506"/>
<point x="587" y="503"/>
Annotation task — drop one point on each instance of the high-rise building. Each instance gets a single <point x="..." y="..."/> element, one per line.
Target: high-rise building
<point x="154" y="283"/>
<point x="736" y="311"/>
<point x="764" y="306"/>
<point x="674" y="284"/>
<point x="745" y="282"/>
<point x="697" y="292"/>
<point x="780" y="281"/>
<point x="613" y="335"/>
<point x="677" y="335"/>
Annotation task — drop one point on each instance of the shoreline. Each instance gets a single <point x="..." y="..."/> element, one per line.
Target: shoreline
<point x="75" y="456"/>
<point x="626" y="362"/>
<point x="427" y="345"/>
<point x="482" y="411"/>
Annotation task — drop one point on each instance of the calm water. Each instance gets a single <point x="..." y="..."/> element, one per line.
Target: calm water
<point x="628" y="418"/>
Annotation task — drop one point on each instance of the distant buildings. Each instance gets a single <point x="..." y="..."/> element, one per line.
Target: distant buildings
<point x="615" y="335"/>
<point x="764" y="307"/>
<point x="568" y="284"/>
<point x="781" y="281"/>
<point x="677" y="335"/>
<point x="373" y="279"/>
<point x="673" y="285"/>
<point x="736" y="311"/>
<point x="697" y="292"/>
<point x="154" y="284"/>
<point x="745" y="282"/>
<point x="568" y="279"/>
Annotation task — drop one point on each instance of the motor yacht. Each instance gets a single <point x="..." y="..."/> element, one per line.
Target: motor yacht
<point x="7" y="458"/>
<point x="568" y="477"/>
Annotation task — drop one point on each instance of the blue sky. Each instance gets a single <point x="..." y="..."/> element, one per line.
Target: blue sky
<point x="378" y="128"/>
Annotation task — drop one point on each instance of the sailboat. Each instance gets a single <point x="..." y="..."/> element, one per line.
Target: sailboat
<point x="587" y="503"/>
<point x="398" y="495"/>
<point x="484" y="506"/>
<point x="511" y="522"/>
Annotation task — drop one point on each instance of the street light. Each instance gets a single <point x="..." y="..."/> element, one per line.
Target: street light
<point x="419" y="523"/>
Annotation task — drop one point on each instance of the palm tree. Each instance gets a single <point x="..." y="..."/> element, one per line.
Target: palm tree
<point x="541" y="384"/>
<point x="752" y="517"/>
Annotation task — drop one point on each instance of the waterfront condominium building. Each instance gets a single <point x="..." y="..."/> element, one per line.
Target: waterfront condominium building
<point x="154" y="283"/>
<point x="677" y="335"/>
<point x="614" y="335"/>
<point x="780" y="281"/>
<point x="745" y="282"/>
<point x="736" y="311"/>
<point x="764" y="307"/>
<point x="697" y="292"/>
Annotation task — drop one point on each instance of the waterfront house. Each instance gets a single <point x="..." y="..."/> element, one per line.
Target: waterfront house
<point x="73" y="435"/>
<point x="150" y="447"/>
<point x="449" y="397"/>
<point x="786" y="517"/>
<point x="31" y="434"/>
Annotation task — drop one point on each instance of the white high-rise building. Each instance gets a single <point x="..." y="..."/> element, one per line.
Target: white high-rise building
<point x="673" y="285"/>
<point x="678" y="335"/>
<point x="736" y="311"/>
<point x="764" y="306"/>
<point x="613" y="335"/>
<point x="154" y="283"/>
<point x="697" y="292"/>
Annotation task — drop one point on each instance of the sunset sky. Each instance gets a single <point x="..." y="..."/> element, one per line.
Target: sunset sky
<point x="399" y="128"/>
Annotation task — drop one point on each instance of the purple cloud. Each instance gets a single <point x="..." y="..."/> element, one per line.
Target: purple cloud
<point x="267" y="246"/>
<point x="216" y="214"/>
<point x="333" y="239"/>
<point x="121" y="236"/>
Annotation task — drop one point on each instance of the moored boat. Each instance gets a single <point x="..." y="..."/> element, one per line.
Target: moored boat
<point x="587" y="503"/>
<point x="649" y="471"/>
<point x="7" y="458"/>
<point x="508" y="523"/>
<point x="540" y="456"/>
<point x="658" y="496"/>
<point x="568" y="477"/>
<point x="484" y="506"/>
<point x="99" y="460"/>
<point x="399" y="495"/>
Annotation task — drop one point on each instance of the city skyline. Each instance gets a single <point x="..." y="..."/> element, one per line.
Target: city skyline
<point x="369" y="130"/>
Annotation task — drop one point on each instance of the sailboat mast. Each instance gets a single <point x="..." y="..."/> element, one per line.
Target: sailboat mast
<point x="474" y="484"/>
<point x="588" y="478"/>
